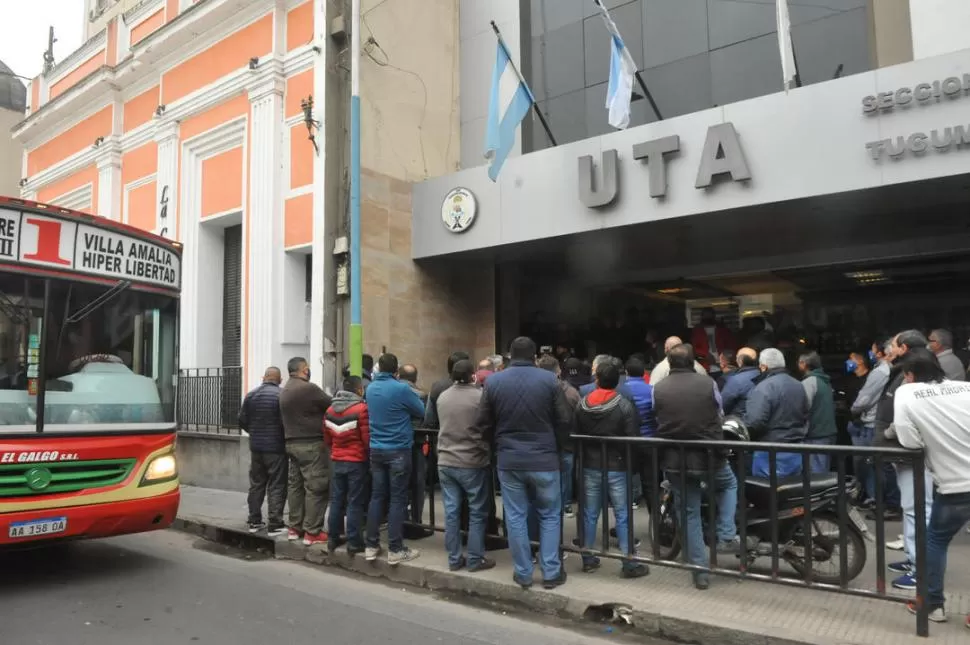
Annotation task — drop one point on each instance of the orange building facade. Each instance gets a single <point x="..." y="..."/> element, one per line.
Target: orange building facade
<point x="186" y="118"/>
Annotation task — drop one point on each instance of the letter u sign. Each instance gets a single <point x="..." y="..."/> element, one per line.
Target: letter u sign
<point x="608" y="188"/>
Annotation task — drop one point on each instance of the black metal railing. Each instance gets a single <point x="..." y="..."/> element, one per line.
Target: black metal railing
<point x="208" y="400"/>
<point x="784" y="514"/>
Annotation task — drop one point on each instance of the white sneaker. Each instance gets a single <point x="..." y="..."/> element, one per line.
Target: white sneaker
<point x="371" y="553"/>
<point x="897" y="544"/>
<point x="406" y="554"/>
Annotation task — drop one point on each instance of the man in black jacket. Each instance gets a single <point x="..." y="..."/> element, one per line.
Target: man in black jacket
<point x="525" y="410"/>
<point x="606" y="413"/>
<point x="260" y="417"/>
<point x="687" y="409"/>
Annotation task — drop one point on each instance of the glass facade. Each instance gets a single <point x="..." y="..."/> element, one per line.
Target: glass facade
<point x="692" y="55"/>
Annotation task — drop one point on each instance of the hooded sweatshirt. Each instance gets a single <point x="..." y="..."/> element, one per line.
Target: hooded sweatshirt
<point x="605" y="413"/>
<point x="346" y="430"/>
<point x="821" y="419"/>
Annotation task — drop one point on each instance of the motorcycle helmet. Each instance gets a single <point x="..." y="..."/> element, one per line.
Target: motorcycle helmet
<point x="734" y="429"/>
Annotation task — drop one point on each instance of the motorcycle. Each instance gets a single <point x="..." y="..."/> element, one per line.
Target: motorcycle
<point x="792" y="500"/>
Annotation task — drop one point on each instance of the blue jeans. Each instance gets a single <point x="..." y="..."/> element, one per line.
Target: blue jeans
<point x="726" y="498"/>
<point x="568" y="459"/>
<point x="907" y="499"/>
<point x="522" y="490"/>
<point x="348" y="490"/>
<point x="391" y="478"/>
<point x="787" y="464"/>
<point x="458" y="484"/>
<point x="862" y="436"/>
<point x="616" y="492"/>
<point x="820" y="463"/>
<point x="950" y="513"/>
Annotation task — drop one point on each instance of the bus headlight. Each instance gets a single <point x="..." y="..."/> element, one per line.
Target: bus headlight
<point x="162" y="468"/>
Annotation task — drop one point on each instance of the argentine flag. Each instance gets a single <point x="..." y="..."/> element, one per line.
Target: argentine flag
<point x="619" y="92"/>
<point x="508" y="104"/>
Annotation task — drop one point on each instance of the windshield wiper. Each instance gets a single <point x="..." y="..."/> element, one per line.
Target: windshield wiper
<point x="18" y="314"/>
<point x="103" y="299"/>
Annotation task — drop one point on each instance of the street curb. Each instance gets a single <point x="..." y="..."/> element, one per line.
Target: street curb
<point x="500" y="595"/>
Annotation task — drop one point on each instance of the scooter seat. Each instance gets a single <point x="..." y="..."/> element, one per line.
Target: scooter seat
<point x="758" y="489"/>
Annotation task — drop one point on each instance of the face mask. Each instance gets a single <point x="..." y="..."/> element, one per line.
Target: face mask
<point x="872" y="357"/>
<point x="851" y="366"/>
<point x="308" y="374"/>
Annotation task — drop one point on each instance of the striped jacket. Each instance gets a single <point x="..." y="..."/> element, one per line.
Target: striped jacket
<point x="346" y="429"/>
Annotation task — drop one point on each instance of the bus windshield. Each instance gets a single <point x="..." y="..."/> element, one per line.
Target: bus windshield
<point x="106" y="355"/>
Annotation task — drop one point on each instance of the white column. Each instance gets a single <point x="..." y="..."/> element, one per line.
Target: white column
<point x="109" y="185"/>
<point x="124" y="39"/>
<point x="166" y="182"/>
<point x="263" y="229"/>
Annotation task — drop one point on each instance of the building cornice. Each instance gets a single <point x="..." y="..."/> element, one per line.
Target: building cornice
<point x="78" y="56"/>
<point x="142" y="10"/>
<point x="173" y="43"/>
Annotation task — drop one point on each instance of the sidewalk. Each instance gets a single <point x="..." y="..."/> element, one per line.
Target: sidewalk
<point x="664" y="604"/>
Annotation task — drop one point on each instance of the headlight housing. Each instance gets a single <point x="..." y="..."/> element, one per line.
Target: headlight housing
<point x="161" y="469"/>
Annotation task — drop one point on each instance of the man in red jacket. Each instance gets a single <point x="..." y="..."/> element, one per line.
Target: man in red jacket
<point x="709" y="339"/>
<point x="347" y="433"/>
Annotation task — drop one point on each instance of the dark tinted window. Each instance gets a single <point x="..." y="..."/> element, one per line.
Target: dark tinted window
<point x="692" y="54"/>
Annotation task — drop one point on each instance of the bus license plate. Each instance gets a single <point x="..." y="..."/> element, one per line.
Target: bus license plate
<point x="34" y="528"/>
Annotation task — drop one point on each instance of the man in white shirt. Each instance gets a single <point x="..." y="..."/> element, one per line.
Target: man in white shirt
<point x="662" y="370"/>
<point x="933" y="413"/>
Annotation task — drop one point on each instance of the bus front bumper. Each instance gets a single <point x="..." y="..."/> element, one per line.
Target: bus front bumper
<point x="93" y="521"/>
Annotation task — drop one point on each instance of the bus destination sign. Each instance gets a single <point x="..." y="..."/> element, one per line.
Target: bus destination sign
<point x="39" y="240"/>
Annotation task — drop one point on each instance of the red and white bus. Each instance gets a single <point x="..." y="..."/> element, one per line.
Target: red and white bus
<point x="88" y="362"/>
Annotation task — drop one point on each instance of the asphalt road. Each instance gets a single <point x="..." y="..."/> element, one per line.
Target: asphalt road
<point x="171" y="588"/>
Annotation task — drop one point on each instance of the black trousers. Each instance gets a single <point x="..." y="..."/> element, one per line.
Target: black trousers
<point x="268" y="472"/>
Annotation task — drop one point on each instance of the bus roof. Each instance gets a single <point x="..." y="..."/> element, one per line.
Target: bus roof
<point x="91" y="220"/>
<point x="57" y="242"/>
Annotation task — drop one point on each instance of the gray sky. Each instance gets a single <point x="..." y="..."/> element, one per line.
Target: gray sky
<point x="23" y="31"/>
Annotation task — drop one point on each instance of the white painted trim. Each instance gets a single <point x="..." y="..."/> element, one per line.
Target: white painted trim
<point x="78" y="199"/>
<point x="219" y="219"/>
<point x="138" y="137"/>
<point x="219" y="139"/>
<point x="74" y="60"/>
<point x="302" y="249"/>
<point x="299" y="191"/>
<point x="130" y="186"/>
<point x="141" y="12"/>
<point x="299" y="60"/>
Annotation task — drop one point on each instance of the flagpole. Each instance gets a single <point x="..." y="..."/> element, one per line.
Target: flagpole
<point x="636" y="74"/>
<point x="649" y="96"/>
<point x="535" y="106"/>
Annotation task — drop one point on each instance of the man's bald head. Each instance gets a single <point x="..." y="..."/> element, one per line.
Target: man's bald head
<point x="672" y="342"/>
<point x="272" y="375"/>
<point x="747" y="357"/>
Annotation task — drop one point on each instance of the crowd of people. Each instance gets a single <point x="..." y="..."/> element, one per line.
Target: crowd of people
<point x="518" y="419"/>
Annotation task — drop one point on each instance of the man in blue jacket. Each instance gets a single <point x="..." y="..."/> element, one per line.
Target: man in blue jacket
<point x="524" y="408"/>
<point x="391" y="404"/>
<point x="734" y="396"/>
<point x="777" y="413"/>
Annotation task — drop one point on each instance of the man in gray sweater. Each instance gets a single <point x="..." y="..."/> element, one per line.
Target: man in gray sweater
<point x="463" y="468"/>
<point x="941" y="344"/>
